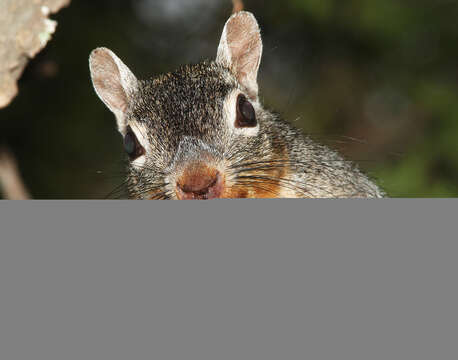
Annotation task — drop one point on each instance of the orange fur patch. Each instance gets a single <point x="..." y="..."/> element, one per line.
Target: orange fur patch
<point x="271" y="187"/>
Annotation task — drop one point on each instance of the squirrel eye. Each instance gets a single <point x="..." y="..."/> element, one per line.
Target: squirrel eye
<point x="246" y="116"/>
<point x="132" y="146"/>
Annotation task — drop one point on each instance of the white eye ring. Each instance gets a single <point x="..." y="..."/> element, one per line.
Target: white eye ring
<point x="230" y="114"/>
<point x="132" y="146"/>
<point x="246" y="115"/>
<point x="139" y="132"/>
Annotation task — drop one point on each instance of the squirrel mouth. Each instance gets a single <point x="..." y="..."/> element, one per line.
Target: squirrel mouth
<point x="200" y="182"/>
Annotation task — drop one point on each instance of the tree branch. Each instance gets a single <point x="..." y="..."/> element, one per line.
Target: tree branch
<point x="238" y="6"/>
<point x="10" y="180"/>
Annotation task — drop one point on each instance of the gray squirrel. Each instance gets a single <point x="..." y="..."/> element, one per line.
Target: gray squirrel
<point x="201" y="132"/>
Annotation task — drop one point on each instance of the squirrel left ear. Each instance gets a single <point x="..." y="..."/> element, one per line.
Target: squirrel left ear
<point x="240" y="50"/>
<point x="113" y="82"/>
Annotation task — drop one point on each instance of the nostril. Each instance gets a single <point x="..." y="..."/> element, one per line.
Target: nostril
<point x="199" y="185"/>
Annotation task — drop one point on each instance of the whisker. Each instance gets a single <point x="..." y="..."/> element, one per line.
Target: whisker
<point x="254" y="185"/>
<point x="285" y="183"/>
<point x="117" y="190"/>
<point x="292" y="184"/>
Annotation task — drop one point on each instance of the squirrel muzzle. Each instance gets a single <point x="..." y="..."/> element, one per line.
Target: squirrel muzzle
<point x="199" y="181"/>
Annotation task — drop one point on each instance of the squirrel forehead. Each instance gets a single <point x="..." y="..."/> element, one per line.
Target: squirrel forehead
<point x="194" y="84"/>
<point x="193" y="92"/>
<point x="186" y="102"/>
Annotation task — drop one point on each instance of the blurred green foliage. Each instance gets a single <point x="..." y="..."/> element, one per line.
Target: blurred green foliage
<point x="412" y="49"/>
<point x="375" y="79"/>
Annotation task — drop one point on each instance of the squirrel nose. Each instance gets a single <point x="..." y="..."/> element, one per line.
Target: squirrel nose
<point x="198" y="181"/>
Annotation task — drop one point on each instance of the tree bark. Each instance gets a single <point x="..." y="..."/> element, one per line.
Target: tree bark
<point x="24" y="30"/>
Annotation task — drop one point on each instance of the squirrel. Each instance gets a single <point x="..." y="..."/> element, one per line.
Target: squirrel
<point x="200" y="132"/>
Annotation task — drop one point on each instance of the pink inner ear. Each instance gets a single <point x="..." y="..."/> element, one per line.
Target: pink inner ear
<point x="107" y="81"/>
<point x="111" y="92"/>
<point x="245" y="47"/>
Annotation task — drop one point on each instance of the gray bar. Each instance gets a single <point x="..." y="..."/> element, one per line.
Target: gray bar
<point x="229" y="279"/>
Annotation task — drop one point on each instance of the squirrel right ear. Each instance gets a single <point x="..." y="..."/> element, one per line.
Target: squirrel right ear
<point x="113" y="82"/>
<point x="240" y="50"/>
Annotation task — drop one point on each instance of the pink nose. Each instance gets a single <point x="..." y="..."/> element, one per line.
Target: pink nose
<point x="199" y="182"/>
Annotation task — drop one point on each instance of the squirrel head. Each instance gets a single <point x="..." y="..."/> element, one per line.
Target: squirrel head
<point x="200" y="132"/>
<point x="186" y="131"/>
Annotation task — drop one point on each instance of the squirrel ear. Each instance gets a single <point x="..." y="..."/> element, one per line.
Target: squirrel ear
<point x="113" y="82"/>
<point x="240" y="49"/>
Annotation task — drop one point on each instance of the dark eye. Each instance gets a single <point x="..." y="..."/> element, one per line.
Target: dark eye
<point x="246" y="116"/>
<point x="131" y="145"/>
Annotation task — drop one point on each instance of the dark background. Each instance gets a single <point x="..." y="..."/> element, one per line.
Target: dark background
<point x="375" y="79"/>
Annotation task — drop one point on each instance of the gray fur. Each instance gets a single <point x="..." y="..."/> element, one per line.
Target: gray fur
<point x="182" y="117"/>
